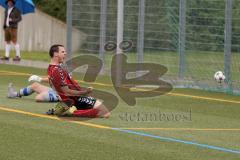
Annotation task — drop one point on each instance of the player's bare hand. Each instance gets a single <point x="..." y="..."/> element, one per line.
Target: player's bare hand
<point x="89" y="90"/>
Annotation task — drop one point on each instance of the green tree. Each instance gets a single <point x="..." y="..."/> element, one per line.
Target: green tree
<point x="55" y="8"/>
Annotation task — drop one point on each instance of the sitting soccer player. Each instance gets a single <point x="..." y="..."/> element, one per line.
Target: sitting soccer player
<point x="44" y="93"/>
<point x="75" y="100"/>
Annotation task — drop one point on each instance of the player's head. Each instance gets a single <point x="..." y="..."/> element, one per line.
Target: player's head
<point x="57" y="52"/>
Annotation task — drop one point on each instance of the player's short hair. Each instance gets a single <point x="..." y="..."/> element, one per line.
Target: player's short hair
<point x="54" y="48"/>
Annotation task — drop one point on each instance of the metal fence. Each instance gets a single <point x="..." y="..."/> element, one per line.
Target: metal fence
<point x="192" y="38"/>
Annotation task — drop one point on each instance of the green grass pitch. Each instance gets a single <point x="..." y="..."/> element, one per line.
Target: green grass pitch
<point x="206" y="118"/>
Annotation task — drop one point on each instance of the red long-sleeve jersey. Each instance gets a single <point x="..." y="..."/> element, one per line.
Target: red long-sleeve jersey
<point x="58" y="78"/>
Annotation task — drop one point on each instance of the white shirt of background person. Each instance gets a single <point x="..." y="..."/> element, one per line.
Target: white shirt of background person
<point x="8" y="19"/>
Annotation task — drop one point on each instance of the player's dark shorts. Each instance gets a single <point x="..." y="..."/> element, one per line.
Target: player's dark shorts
<point x="85" y="102"/>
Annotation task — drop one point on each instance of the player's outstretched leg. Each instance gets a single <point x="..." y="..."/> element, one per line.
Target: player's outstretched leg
<point x="98" y="110"/>
<point x="26" y="91"/>
<point x="102" y="110"/>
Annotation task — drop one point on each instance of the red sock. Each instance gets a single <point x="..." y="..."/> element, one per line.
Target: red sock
<point x="86" y="113"/>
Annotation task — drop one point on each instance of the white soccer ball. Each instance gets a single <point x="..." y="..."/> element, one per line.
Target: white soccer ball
<point x="219" y="76"/>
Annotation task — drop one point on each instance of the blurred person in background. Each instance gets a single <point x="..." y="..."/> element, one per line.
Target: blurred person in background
<point x="10" y="26"/>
